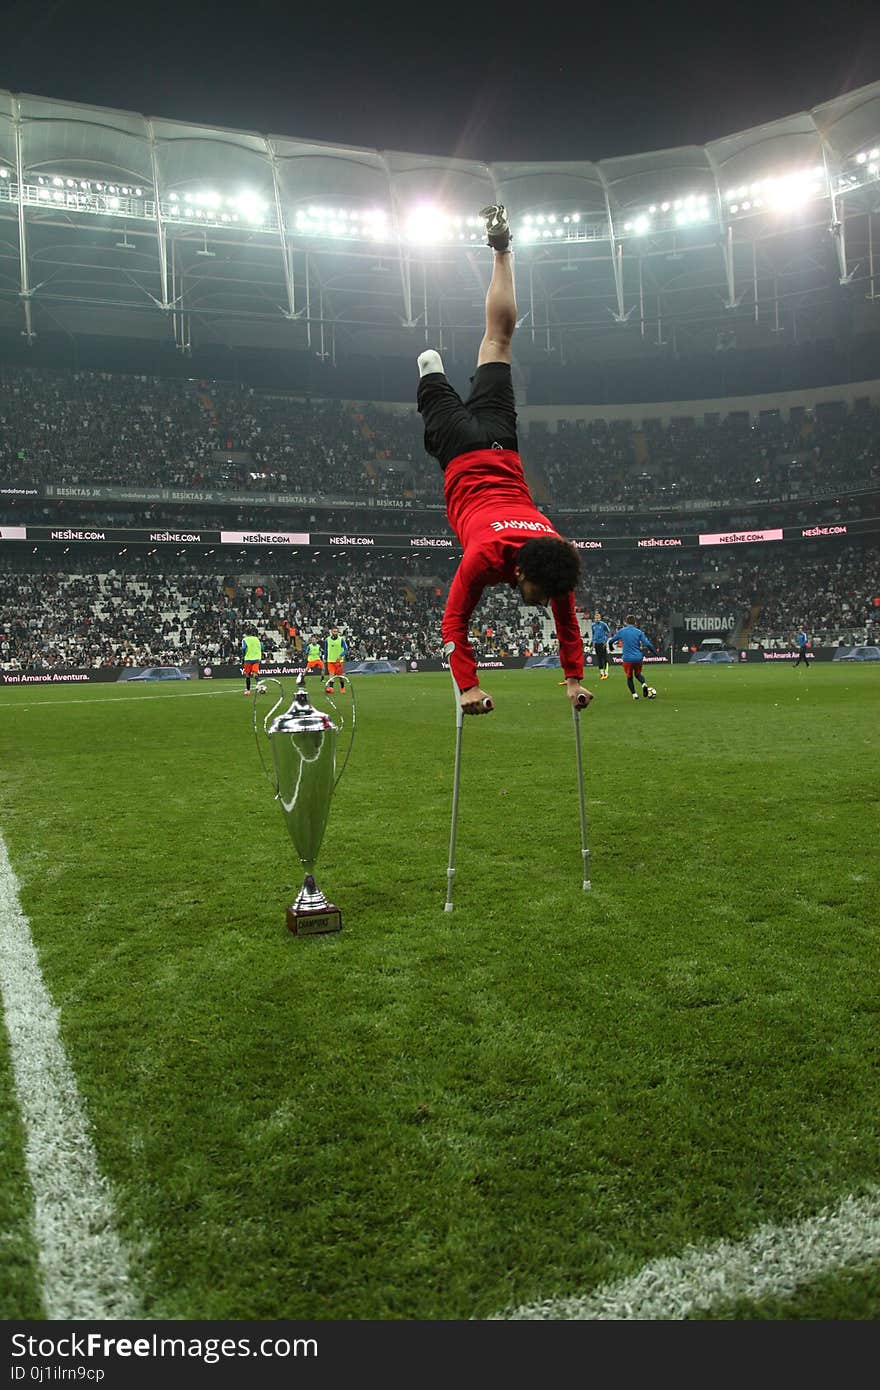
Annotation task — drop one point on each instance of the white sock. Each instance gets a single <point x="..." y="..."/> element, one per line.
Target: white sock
<point x="430" y="361"/>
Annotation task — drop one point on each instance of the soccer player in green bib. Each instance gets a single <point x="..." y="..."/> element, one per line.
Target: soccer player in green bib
<point x="335" y="652"/>
<point x="251" y="655"/>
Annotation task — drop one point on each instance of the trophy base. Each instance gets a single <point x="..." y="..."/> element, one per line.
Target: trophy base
<point x="312" y="914"/>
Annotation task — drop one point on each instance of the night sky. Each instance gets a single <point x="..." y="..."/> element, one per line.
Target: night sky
<point x="511" y="80"/>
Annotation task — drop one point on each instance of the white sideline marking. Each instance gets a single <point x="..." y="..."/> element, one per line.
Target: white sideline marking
<point x="83" y="1264"/>
<point x="111" y="699"/>
<point x="772" y="1263"/>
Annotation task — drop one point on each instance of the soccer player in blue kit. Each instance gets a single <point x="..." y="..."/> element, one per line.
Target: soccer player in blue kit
<point x="633" y="645"/>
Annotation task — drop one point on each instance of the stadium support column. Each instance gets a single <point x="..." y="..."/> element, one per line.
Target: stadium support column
<point x="838" y="219"/>
<point x="179" y="315"/>
<point x="405" y="265"/>
<point x="623" y="314"/>
<point x="733" y="300"/>
<point x="161" y="237"/>
<point x="308" y="302"/>
<point x="25" y="291"/>
<point x="286" y="248"/>
<point x="403" y="256"/>
<point x="532" y="297"/>
<point x="871" y="295"/>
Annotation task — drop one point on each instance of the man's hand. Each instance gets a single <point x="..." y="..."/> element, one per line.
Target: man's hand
<point x="476" y="701"/>
<point x="579" y="696"/>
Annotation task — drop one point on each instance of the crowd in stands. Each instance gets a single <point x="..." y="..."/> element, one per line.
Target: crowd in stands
<point x="76" y="428"/>
<point x="71" y="429"/>
<point x="154" y="609"/>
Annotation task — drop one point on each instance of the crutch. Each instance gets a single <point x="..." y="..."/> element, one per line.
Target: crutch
<point x="582" y="702"/>
<point x="459" y="722"/>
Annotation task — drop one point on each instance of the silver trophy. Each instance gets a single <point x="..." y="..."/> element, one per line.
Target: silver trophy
<point x="304" y="747"/>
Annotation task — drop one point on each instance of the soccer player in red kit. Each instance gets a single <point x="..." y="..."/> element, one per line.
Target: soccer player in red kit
<point x="505" y="539"/>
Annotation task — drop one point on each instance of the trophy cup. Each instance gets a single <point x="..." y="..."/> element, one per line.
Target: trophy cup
<point x="303" y="742"/>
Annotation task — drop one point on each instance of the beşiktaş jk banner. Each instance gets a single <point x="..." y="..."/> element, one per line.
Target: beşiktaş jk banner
<point x="100" y="492"/>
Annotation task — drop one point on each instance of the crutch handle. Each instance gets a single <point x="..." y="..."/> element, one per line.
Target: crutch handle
<point x="487" y="704"/>
<point x="582" y="702"/>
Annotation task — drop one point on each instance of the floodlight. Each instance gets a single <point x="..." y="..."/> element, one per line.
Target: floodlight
<point x="575" y="217"/>
<point x="250" y="205"/>
<point x="861" y="158"/>
<point x="4" y="173"/>
<point x="426" y="224"/>
<point x="664" y="207"/>
<point x="641" y="225"/>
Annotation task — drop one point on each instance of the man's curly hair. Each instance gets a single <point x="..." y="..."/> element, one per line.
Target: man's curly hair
<point x="551" y="563"/>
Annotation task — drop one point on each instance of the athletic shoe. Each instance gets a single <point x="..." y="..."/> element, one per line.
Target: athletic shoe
<point x="603" y="676"/>
<point x="430" y="362"/>
<point x="497" y="226"/>
<point x="645" y="691"/>
<point x="635" y="697"/>
<point x="328" y="689"/>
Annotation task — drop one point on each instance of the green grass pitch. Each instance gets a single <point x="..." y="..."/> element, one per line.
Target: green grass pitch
<point x="437" y="1116"/>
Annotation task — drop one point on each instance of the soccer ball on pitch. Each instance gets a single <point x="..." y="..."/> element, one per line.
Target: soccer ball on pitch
<point x="652" y="693"/>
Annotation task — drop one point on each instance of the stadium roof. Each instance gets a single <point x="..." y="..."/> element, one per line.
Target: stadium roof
<point x="143" y="227"/>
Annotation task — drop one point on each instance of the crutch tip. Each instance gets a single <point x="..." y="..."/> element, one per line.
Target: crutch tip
<point x="586" y="885"/>
<point x="447" y="907"/>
